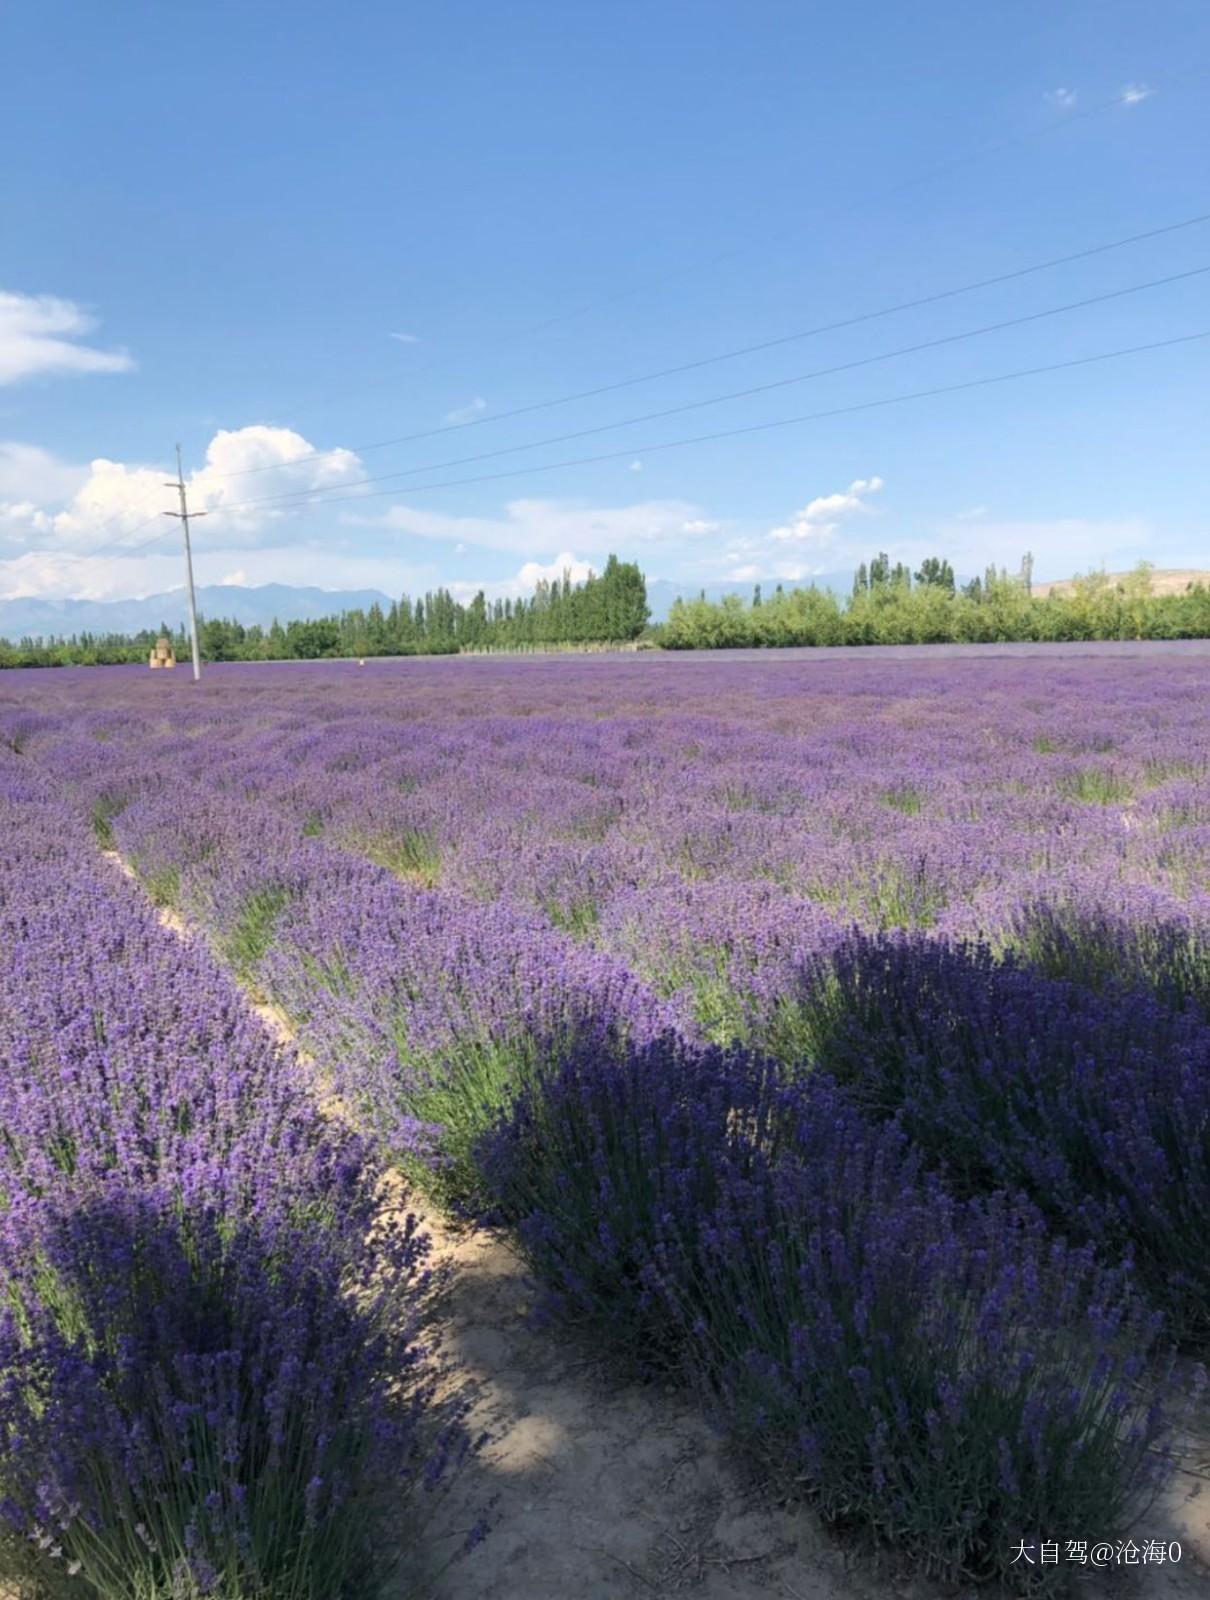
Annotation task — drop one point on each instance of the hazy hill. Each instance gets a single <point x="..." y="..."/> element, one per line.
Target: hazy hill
<point x="32" y="617"/>
<point x="1166" y="580"/>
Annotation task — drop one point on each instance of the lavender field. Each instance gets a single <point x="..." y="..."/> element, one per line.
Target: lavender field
<point x="831" y="1037"/>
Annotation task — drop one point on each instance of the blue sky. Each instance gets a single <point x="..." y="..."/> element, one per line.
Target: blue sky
<point x="272" y="231"/>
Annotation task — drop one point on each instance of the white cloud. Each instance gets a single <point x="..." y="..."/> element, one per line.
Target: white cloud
<point x="971" y="514"/>
<point x="21" y="521"/>
<point x="237" y="579"/>
<point x="28" y="472"/>
<point x="821" y="517"/>
<point x="1065" y="99"/>
<point x="534" y="573"/>
<point x="700" y="525"/>
<point x="636" y="466"/>
<point x="37" y="334"/>
<point x="231" y="482"/>
<point x="54" y="515"/>
<point x="405" y="338"/>
<point x="1062" y="546"/>
<point x="467" y="413"/>
<point x="547" y="527"/>
<point x="524" y="582"/>
<point x="54" y="575"/>
<point x="1135" y="93"/>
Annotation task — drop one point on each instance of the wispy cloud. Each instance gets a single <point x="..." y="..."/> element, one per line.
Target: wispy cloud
<point x="1134" y="93"/>
<point x="636" y="466"/>
<point x="38" y="334"/>
<point x="467" y="413"/>
<point x="530" y="528"/>
<point x="971" y="514"/>
<point x="1064" y="99"/>
<point x="405" y="338"/>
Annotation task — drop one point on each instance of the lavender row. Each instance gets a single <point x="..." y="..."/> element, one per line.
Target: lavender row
<point x="526" y="897"/>
<point x="934" y="1372"/>
<point x="706" y="823"/>
<point x="1094" y="1104"/>
<point x="210" y="1380"/>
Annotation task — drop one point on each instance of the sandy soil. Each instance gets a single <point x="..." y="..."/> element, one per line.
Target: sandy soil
<point x="595" y="1489"/>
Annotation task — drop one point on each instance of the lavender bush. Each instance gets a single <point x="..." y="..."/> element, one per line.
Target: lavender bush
<point x="1097" y="1105"/>
<point x="212" y="1381"/>
<point x="939" y="1374"/>
<point x="607" y="1160"/>
<point x="1152" y="943"/>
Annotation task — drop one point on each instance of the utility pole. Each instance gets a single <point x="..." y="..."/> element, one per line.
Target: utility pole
<point x="183" y="517"/>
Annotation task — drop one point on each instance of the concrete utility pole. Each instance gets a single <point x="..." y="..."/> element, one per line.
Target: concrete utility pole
<point x="183" y="517"/>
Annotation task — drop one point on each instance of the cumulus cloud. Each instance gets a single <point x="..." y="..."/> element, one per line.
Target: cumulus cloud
<point x="548" y="527"/>
<point x="40" y="334"/>
<point x="525" y="581"/>
<point x="56" y="516"/>
<point x="30" y="473"/>
<point x="820" y="518"/>
<point x="467" y="413"/>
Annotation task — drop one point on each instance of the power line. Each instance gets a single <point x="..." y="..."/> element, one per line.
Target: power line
<point x="1055" y="124"/>
<point x="786" y="422"/>
<point x="915" y="181"/>
<point x="757" y="427"/>
<point x="117" y="544"/>
<point x="317" y="498"/>
<point x="853" y="321"/>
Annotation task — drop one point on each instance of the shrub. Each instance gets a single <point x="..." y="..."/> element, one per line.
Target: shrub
<point x="611" y="1157"/>
<point x="193" y="1409"/>
<point x="933" y="1371"/>
<point x="1149" y="946"/>
<point x="1095" y="1105"/>
<point x="213" y="1374"/>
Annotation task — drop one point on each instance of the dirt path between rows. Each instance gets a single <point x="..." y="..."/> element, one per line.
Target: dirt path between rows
<point x="596" y="1490"/>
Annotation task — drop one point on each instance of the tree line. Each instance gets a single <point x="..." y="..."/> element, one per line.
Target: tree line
<point x="888" y="605"/>
<point x="605" y="608"/>
<point x="892" y="605"/>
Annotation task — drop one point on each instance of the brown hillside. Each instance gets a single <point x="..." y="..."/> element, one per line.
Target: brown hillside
<point x="1168" y="580"/>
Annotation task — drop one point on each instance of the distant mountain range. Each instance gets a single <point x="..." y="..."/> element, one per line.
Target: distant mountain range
<point x="20" y="619"/>
<point x="34" y="618"/>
